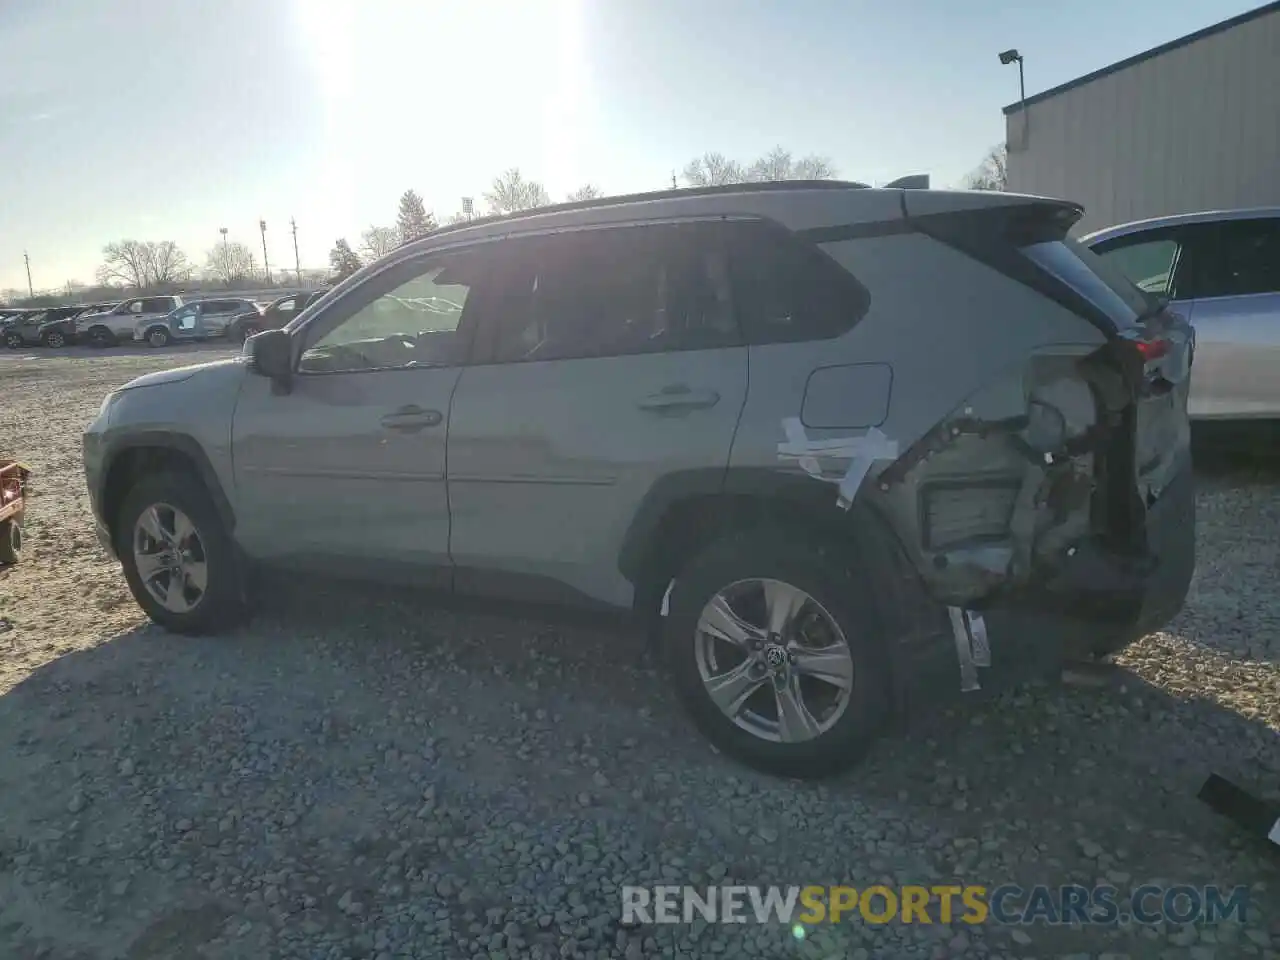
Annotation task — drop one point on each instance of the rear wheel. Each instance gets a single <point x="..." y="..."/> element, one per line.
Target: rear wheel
<point x="55" y="338"/>
<point x="10" y="541"/>
<point x="158" y="337"/>
<point x="101" y="337"/>
<point x="13" y="341"/>
<point x="178" y="559"/>
<point x="776" y="649"/>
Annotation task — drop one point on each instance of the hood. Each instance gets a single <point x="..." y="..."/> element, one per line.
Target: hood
<point x="218" y="368"/>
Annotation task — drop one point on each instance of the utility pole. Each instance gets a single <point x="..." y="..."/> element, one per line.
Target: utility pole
<point x="266" y="267"/>
<point x="297" y="262"/>
<point x="30" y="290"/>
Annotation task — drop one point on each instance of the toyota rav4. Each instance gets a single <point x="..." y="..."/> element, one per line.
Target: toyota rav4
<point x="842" y="448"/>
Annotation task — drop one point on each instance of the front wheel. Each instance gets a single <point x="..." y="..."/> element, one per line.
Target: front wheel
<point x="247" y="331"/>
<point x="56" y="339"/>
<point x="13" y="341"/>
<point x="159" y="337"/>
<point x="178" y="559"/>
<point x="777" y="653"/>
<point x="101" y="337"/>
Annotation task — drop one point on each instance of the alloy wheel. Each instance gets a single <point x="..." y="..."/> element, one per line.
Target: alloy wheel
<point x="169" y="555"/>
<point x="774" y="660"/>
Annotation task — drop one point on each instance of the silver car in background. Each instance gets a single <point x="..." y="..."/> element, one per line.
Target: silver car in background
<point x="1221" y="270"/>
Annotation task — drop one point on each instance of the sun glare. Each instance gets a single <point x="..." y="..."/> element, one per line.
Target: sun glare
<point x="444" y="96"/>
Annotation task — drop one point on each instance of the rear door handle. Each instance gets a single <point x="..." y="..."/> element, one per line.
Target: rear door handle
<point x="412" y="418"/>
<point x="679" y="397"/>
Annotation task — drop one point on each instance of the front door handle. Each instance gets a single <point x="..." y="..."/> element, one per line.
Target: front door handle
<point x="412" y="418"/>
<point x="679" y="397"/>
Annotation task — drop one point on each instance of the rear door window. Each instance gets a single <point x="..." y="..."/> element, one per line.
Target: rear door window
<point x="156" y="305"/>
<point x="1248" y="260"/>
<point x="614" y="292"/>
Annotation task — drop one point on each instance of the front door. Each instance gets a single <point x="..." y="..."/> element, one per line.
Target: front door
<point x="614" y="362"/>
<point x="347" y="469"/>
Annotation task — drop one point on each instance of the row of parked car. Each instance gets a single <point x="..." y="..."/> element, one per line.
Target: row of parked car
<point x="158" y="320"/>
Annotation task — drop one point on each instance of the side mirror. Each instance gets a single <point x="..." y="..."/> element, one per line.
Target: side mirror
<point x="271" y="355"/>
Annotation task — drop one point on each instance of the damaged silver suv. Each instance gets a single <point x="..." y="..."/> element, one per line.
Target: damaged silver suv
<point x="843" y="448"/>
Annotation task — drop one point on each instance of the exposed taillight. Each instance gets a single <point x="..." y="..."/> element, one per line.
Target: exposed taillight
<point x="1153" y="349"/>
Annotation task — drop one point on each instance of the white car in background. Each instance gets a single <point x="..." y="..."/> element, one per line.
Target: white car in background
<point x="1221" y="270"/>
<point x="116" y="325"/>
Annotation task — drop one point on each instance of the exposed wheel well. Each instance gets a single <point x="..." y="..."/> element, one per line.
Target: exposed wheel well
<point x="691" y="524"/>
<point x="134" y="463"/>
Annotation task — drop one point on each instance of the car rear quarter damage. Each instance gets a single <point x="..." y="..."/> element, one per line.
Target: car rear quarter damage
<point x="1011" y="418"/>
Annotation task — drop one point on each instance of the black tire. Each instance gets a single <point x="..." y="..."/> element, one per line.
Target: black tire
<point x="830" y="576"/>
<point x="101" y="337"/>
<point x="13" y="341"/>
<point x="222" y="606"/>
<point x="55" y="339"/>
<point x="245" y="331"/>
<point x="10" y="541"/>
<point x="158" y="337"/>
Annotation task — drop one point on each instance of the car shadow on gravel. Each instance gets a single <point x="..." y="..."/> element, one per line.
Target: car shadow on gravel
<point x="146" y="778"/>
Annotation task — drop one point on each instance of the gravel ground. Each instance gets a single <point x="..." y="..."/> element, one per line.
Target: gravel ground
<point x="379" y="777"/>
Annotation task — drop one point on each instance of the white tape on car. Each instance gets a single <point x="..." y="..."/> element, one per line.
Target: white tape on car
<point x="862" y="452"/>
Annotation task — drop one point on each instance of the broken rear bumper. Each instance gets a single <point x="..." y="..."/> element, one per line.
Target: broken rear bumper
<point x="1095" y="604"/>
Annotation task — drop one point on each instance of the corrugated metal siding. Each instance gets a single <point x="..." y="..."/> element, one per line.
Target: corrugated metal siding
<point x="1197" y="128"/>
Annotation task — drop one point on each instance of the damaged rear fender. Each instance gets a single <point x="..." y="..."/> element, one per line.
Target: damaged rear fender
<point x="1003" y="485"/>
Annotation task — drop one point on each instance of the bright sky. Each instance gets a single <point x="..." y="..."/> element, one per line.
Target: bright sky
<point x="167" y="119"/>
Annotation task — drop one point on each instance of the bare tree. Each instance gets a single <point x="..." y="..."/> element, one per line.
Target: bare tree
<point x="143" y="264"/>
<point x="230" y="263"/>
<point x="713" y="170"/>
<point x="168" y="264"/>
<point x="992" y="173"/>
<point x="588" y="191"/>
<point x="778" y="164"/>
<point x="814" y="167"/>
<point x="376" y="242"/>
<point x="774" y="165"/>
<point x="511" y="192"/>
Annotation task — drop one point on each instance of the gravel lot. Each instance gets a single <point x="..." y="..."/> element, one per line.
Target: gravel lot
<point x="384" y="777"/>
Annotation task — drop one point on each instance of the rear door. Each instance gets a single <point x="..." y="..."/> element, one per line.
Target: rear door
<point x="1237" y="318"/>
<point x="612" y="362"/>
<point x="216" y="314"/>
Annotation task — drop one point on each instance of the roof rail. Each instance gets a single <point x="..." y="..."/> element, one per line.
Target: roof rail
<point x="760" y="187"/>
<point x="915" y="181"/>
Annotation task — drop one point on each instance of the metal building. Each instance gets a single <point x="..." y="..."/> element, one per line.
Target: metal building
<point x="1191" y="125"/>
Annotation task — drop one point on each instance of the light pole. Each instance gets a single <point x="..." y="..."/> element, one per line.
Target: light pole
<point x="297" y="263"/>
<point x="1013" y="56"/>
<point x="266" y="267"/>
<point x="27" y="260"/>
